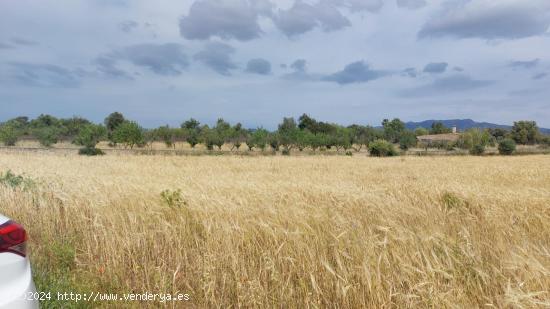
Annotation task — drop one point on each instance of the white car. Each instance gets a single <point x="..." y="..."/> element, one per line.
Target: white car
<point x="16" y="286"/>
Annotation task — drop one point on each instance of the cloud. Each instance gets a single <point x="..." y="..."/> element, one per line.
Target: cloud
<point x="5" y="46"/>
<point x="217" y="56"/>
<point x="358" y="5"/>
<point x="356" y="72"/>
<point x="458" y="69"/>
<point x="23" y="42"/>
<point x="540" y="76"/>
<point x="299" y="65"/>
<point x="300" y="73"/>
<point x="436" y="67"/>
<point x="127" y="26"/>
<point x="410" y="72"/>
<point x="107" y="66"/>
<point x="490" y="19"/>
<point x="226" y="19"/>
<point x="411" y="4"/>
<point x="43" y="75"/>
<point x="258" y="66"/>
<point x="524" y="64"/>
<point x="451" y="84"/>
<point x="303" y="17"/>
<point x="162" y="59"/>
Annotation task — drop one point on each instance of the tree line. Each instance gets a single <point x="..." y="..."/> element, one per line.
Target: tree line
<point x="290" y="135"/>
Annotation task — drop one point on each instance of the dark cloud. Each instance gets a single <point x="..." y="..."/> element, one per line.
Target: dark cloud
<point x="436" y="67"/>
<point x="236" y="19"/>
<point x="217" y="56"/>
<point x="258" y="66"/>
<point x="524" y="64"/>
<point x="540" y="76"/>
<point x="455" y="83"/>
<point x="356" y="72"/>
<point x="410" y="72"/>
<point x="107" y="66"/>
<point x="299" y="72"/>
<point x="43" y="75"/>
<point x="303" y="17"/>
<point x="161" y="59"/>
<point x="490" y="20"/>
<point x="23" y="42"/>
<point x="127" y="26"/>
<point x="411" y="4"/>
<point x="458" y="69"/>
<point x="299" y="65"/>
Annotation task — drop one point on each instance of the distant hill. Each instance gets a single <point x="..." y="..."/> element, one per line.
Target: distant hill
<point x="462" y="125"/>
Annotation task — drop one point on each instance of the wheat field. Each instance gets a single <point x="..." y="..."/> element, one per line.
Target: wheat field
<point x="289" y="232"/>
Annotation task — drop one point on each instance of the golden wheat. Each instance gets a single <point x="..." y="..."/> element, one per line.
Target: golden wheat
<point x="345" y="232"/>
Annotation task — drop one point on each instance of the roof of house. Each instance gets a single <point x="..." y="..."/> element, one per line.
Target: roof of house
<point x="439" y="137"/>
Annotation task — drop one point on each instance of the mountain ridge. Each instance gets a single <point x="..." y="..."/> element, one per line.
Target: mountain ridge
<point x="462" y="125"/>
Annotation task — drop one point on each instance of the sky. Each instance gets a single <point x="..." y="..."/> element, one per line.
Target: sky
<point x="256" y="61"/>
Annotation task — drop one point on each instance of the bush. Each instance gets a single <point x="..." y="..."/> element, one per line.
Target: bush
<point x="382" y="148"/>
<point x="8" y="135"/>
<point x="285" y="152"/>
<point x="92" y="151"/>
<point x="12" y="180"/>
<point x="47" y="136"/>
<point x="506" y="147"/>
<point x="477" y="149"/>
<point x="349" y="153"/>
<point x="173" y="199"/>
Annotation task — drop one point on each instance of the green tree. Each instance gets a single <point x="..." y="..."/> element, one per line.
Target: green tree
<point x="111" y="123"/>
<point x="258" y="139"/>
<point x="382" y="148"/>
<point x="305" y="122"/>
<point x="525" y="132"/>
<point x="47" y="136"/>
<point x="343" y="139"/>
<point x="506" y="146"/>
<point x="128" y="133"/>
<point x="474" y="140"/>
<point x="88" y="137"/>
<point x="166" y="135"/>
<point x="393" y="129"/>
<point x="407" y="140"/>
<point x="73" y="125"/>
<point x="8" y="135"/>
<point x="237" y="136"/>
<point x="287" y="132"/>
<point x="191" y="131"/>
<point x="439" y="128"/>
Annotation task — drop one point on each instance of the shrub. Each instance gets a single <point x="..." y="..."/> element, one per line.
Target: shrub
<point x="8" y="135"/>
<point x="349" y="153"/>
<point x="382" y="148"/>
<point x="47" y="136"/>
<point x="12" y="180"/>
<point x="506" y="147"/>
<point x="477" y="149"/>
<point x="86" y="151"/>
<point x="285" y="152"/>
<point x="407" y="140"/>
<point x="172" y="199"/>
<point x="129" y="134"/>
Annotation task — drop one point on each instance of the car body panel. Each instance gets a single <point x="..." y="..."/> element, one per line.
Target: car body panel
<point x="16" y="282"/>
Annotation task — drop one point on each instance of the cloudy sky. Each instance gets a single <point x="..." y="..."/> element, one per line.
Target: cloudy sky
<point x="255" y="61"/>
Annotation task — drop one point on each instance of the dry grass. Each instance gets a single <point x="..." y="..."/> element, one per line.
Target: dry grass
<point x="345" y="232"/>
